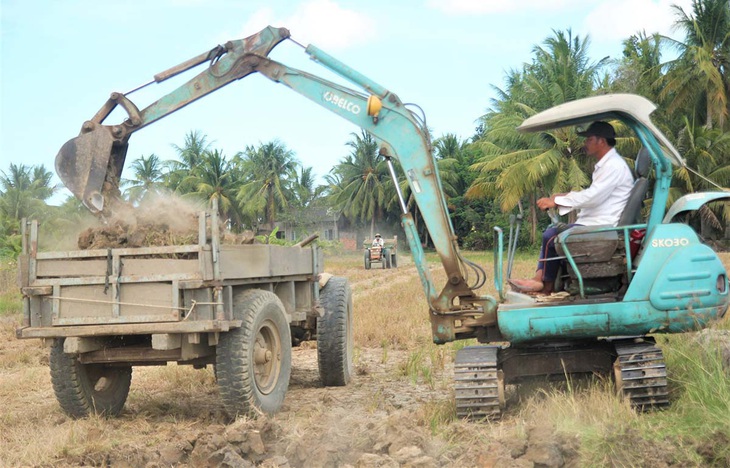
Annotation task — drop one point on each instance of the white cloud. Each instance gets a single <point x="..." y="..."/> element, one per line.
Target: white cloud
<point x="464" y="7"/>
<point x="619" y="19"/>
<point x="320" y="22"/>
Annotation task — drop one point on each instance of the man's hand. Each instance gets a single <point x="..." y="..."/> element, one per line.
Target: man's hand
<point x="546" y="203"/>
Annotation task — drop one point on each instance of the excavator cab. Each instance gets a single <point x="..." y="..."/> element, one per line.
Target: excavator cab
<point x="603" y="260"/>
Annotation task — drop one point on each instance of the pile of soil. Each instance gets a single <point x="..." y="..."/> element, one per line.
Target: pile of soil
<point x="162" y="221"/>
<point x="158" y="222"/>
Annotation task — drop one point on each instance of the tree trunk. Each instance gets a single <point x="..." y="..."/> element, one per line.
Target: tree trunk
<point x="533" y="219"/>
<point x="270" y="212"/>
<point x="372" y="228"/>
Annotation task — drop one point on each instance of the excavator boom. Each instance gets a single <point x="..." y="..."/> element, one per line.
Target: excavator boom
<point x="90" y="164"/>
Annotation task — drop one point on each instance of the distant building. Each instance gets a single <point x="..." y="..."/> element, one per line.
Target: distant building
<point x="330" y="225"/>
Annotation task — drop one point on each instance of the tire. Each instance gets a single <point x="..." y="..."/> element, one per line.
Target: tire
<point x="367" y="259"/>
<point x="335" y="344"/>
<point x="85" y="389"/>
<point x="386" y="258"/>
<point x="253" y="362"/>
<point x="394" y="260"/>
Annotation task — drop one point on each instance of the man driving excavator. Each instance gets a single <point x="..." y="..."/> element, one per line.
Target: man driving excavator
<point x="601" y="204"/>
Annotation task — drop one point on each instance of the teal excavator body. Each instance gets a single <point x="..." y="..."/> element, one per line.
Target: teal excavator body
<point x="668" y="281"/>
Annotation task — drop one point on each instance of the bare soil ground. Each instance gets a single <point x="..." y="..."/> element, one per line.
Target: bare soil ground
<point x="397" y="411"/>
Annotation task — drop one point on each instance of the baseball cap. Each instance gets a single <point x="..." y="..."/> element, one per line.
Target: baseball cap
<point x="599" y="129"/>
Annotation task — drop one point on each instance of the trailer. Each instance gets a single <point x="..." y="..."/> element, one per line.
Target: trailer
<point x="240" y="308"/>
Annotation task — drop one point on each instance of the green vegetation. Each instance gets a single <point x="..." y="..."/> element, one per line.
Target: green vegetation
<point x="9" y="293"/>
<point x="486" y="176"/>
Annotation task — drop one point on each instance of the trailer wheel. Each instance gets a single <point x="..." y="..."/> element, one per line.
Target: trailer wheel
<point x="367" y="259"/>
<point x="335" y="333"/>
<point x="386" y="258"/>
<point x="394" y="260"/>
<point x="253" y="362"/>
<point x="84" y="389"/>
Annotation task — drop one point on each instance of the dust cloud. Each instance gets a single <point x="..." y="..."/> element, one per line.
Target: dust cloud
<point x="158" y="220"/>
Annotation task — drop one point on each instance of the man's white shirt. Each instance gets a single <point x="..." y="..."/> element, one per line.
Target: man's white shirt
<point x="603" y="202"/>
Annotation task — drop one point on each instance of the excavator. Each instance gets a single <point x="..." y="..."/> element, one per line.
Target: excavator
<point x="619" y="289"/>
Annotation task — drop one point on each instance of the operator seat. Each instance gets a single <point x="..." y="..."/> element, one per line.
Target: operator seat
<point x="600" y="256"/>
<point x="632" y="210"/>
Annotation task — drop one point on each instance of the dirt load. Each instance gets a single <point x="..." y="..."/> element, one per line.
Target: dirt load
<point x="157" y="221"/>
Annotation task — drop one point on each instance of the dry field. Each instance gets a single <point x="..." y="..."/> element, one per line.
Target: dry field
<point x="397" y="411"/>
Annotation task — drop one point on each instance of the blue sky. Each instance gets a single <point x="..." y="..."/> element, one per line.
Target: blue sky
<point x="60" y="60"/>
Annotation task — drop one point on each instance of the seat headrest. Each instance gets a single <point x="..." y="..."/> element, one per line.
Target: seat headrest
<point x="642" y="165"/>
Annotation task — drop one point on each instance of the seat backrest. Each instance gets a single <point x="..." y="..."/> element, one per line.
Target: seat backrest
<point x="632" y="210"/>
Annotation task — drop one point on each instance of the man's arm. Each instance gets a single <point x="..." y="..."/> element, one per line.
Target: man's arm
<point x="605" y="181"/>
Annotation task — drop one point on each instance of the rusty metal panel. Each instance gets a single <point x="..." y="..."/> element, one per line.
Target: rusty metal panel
<point x="70" y="268"/>
<point x="129" y="329"/>
<point x="81" y="301"/>
<point x="145" y="266"/>
<point x="23" y="271"/>
<point x="136" y="303"/>
<point x="147" y="299"/>
<point x="128" y="252"/>
<point x="150" y="278"/>
<point x="285" y="292"/>
<point x="264" y="261"/>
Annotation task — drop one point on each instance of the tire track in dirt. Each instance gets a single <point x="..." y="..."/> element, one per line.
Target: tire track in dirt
<point x="386" y="280"/>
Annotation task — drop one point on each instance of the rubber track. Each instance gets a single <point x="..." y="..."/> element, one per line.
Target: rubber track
<point x="476" y="382"/>
<point x="643" y="375"/>
<point x="335" y="363"/>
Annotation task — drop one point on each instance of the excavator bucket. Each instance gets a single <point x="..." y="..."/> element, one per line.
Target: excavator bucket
<point x="83" y="163"/>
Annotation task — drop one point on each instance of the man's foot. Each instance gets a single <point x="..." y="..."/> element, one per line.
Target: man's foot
<point x="526" y="285"/>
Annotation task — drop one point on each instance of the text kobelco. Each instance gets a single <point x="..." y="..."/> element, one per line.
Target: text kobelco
<point x="341" y="102"/>
<point x="670" y="242"/>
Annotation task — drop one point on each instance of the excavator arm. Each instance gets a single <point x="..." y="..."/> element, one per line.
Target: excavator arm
<point x="375" y="110"/>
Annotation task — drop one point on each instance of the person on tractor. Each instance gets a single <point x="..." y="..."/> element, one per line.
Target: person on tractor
<point x="601" y="204"/>
<point x="378" y="241"/>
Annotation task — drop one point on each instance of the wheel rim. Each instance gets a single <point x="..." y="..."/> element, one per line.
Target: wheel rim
<point x="101" y="379"/>
<point x="267" y="357"/>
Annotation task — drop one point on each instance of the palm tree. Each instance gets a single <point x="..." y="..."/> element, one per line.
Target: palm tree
<point x="708" y="152"/>
<point x="190" y="156"/>
<point x="515" y="166"/>
<point x="148" y="175"/>
<point x="216" y="178"/>
<point x="561" y="71"/>
<point x="24" y="190"/>
<point x="639" y="71"/>
<point x="304" y="189"/>
<point x="698" y="78"/>
<point x="362" y="179"/>
<point x="269" y="172"/>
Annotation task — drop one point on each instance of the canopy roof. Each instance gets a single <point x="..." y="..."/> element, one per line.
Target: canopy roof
<point x="604" y="107"/>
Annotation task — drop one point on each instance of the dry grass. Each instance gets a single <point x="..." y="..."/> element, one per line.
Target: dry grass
<point x="391" y="316"/>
